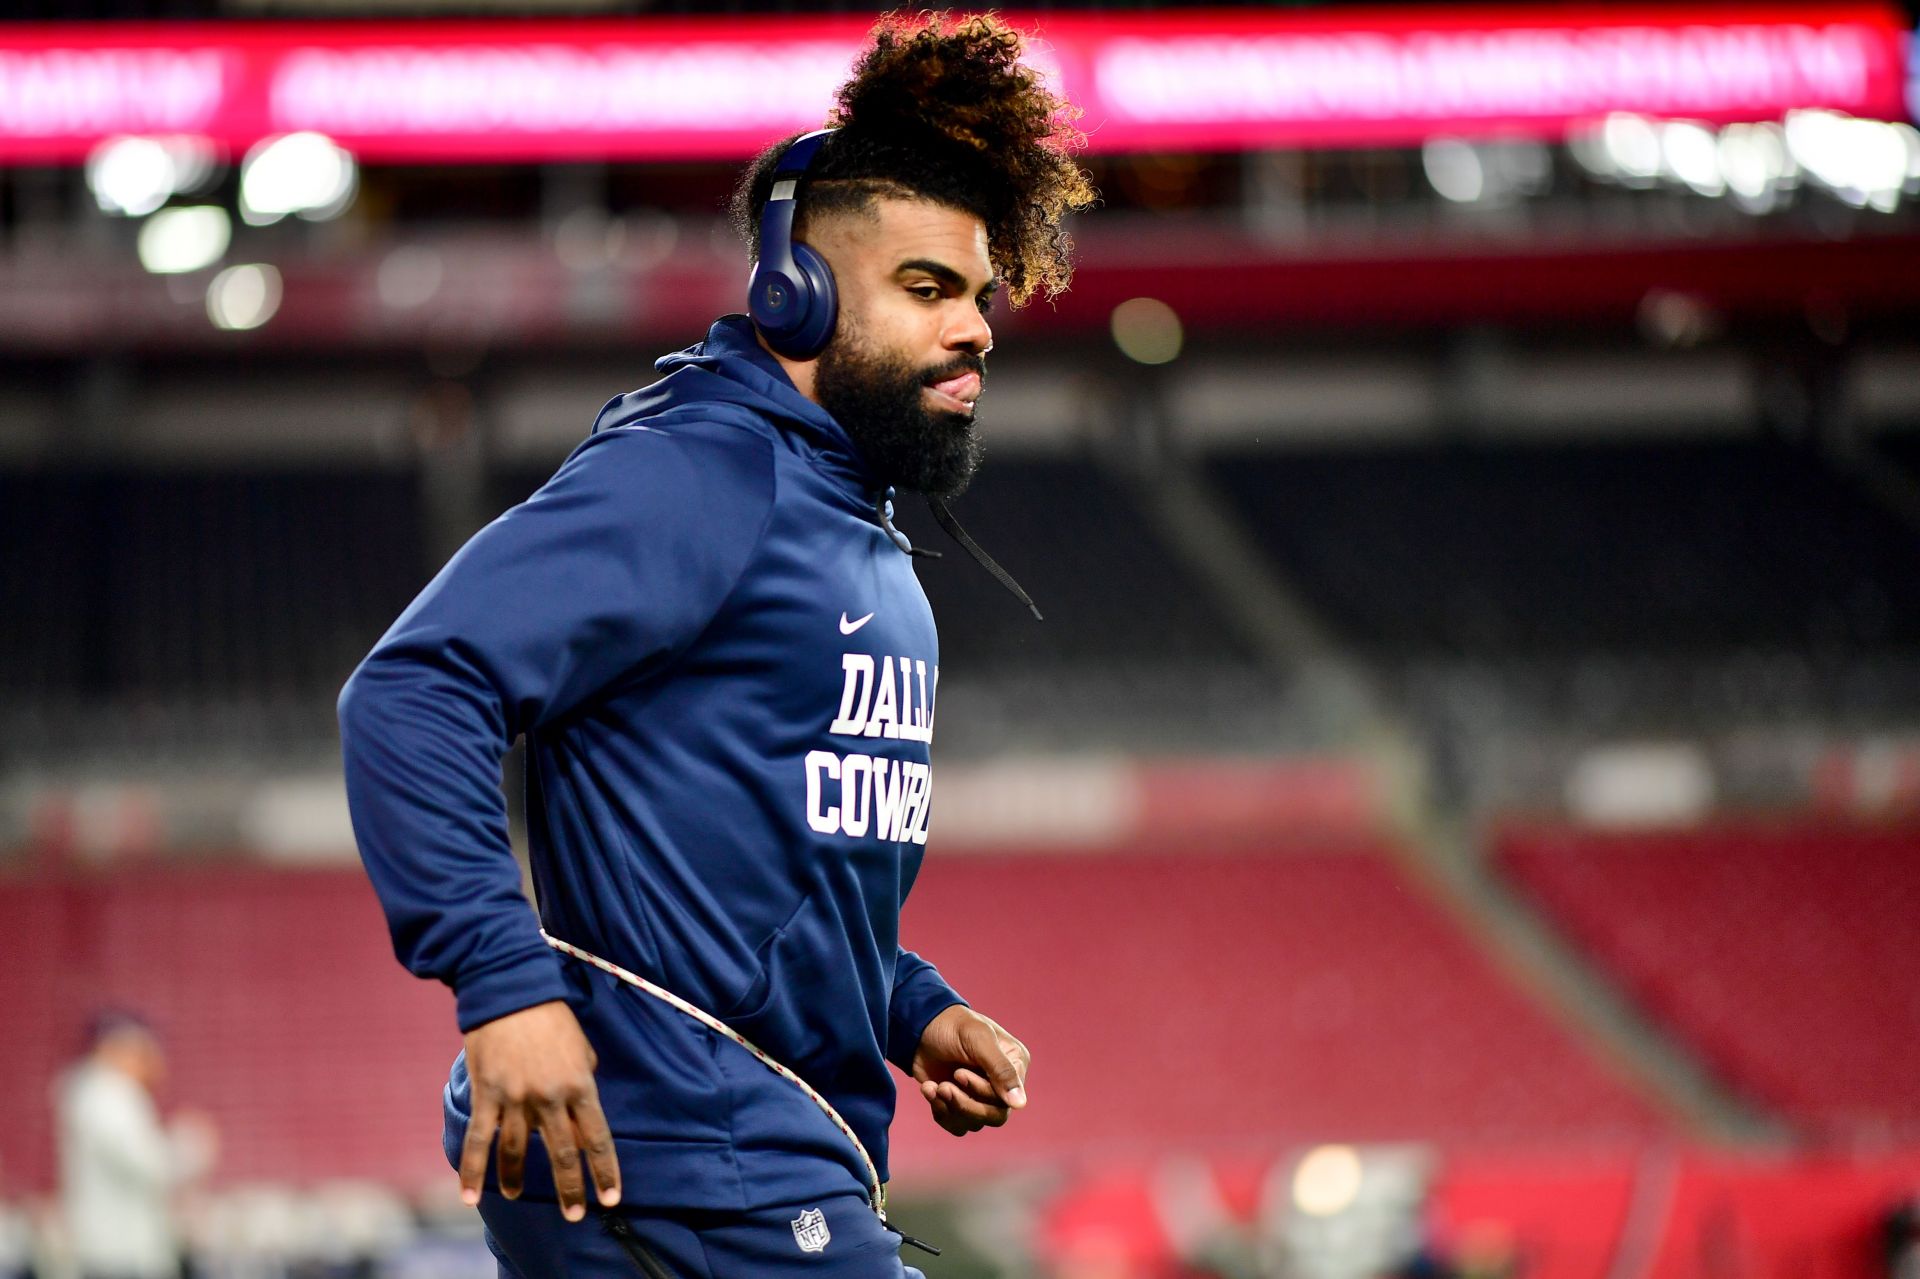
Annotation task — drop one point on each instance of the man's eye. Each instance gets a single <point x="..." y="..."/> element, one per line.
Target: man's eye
<point x="925" y="292"/>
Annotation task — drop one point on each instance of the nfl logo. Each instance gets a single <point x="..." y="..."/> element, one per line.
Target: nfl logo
<point x="810" y="1230"/>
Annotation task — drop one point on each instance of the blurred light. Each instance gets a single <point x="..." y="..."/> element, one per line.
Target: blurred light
<point x="303" y="173"/>
<point x="131" y="176"/>
<point x="1651" y="784"/>
<point x="1754" y="163"/>
<point x="1632" y="148"/>
<point x="651" y="238"/>
<point x="1676" y="320"/>
<point x="409" y="277"/>
<point x="174" y="241"/>
<point x="193" y="161"/>
<point x="1517" y="167"/>
<point x="1147" y="331"/>
<point x="1691" y="153"/>
<point x="1327" y="1181"/>
<point x="1863" y="162"/>
<point x="1588" y="145"/>
<point x="588" y="240"/>
<point x="243" y="297"/>
<point x="1453" y="168"/>
<point x="1487" y="172"/>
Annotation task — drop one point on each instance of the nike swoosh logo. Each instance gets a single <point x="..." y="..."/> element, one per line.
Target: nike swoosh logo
<point x="848" y="628"/>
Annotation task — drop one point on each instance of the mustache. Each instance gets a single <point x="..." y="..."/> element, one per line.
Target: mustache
<point x="965" y="362"/>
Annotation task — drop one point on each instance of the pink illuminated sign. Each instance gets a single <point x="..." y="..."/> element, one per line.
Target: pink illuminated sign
<point x="660" y="89"/>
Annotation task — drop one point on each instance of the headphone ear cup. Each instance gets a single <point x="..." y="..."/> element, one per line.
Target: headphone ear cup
<point x="790" y="295"/>
<point x="812" y="326"/>
<point x="776" y="302"/>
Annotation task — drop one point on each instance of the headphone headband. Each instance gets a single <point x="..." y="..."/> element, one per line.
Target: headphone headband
<point x="798" y="157"/>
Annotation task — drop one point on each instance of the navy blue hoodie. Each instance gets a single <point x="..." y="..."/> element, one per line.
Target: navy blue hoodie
<point x="725" y="671"/>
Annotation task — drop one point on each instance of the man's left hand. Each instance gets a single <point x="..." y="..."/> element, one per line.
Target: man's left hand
<point x="972" y="1073"/>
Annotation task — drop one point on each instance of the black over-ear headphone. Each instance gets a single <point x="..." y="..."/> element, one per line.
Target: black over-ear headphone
<point x="790" y="294"/>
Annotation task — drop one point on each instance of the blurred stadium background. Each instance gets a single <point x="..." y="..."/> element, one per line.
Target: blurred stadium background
<point x="1461" y="814"/>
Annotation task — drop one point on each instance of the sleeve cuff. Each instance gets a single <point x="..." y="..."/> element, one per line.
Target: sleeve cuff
<point x="532" y="979"/>
<point x="916" y="1001"/>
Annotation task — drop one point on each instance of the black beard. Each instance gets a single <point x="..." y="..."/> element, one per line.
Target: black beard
<point x="876" y="397"/>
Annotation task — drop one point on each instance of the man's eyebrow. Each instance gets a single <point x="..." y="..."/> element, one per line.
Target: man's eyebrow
<point x="943" y="273"/>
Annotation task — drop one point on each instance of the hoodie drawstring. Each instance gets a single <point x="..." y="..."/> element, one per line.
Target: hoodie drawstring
<point x="883" y="511"/>
<point x="951" y="527"/>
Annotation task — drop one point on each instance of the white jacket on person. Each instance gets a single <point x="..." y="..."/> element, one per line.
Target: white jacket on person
<point x="118" y="1169"/>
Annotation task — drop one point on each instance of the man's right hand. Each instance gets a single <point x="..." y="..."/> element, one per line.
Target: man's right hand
<point x="533" y="1070"/>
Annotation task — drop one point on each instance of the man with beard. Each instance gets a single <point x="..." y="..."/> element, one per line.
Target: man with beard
<point x="711" y="636"/>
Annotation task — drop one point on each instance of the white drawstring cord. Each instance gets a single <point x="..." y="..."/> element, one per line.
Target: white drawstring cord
<point x="877" y="1191"/>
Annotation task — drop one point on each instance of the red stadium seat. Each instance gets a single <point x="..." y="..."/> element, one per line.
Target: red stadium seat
<point x="1784" y="956"/>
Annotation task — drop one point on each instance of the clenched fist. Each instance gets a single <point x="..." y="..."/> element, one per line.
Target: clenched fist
<point x="971" y="1071"/>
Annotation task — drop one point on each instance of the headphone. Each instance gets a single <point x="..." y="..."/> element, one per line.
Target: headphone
<point x="791" y="295"/>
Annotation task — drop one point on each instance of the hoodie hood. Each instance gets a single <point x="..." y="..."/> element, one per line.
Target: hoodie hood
<point x="731" y="367"/>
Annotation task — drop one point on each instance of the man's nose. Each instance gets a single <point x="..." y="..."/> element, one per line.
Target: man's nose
<point x="969" y="331"/>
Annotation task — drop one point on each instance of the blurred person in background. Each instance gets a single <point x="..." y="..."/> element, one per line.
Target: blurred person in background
<point x="119" y="1165"/>
<point x="16" y="1235"/>
<point x="696" y="624"/>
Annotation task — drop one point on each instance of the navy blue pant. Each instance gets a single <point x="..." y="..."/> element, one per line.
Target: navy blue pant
<point x="845" y="1241"/>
